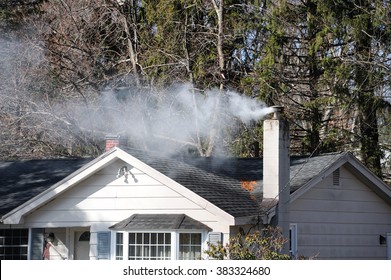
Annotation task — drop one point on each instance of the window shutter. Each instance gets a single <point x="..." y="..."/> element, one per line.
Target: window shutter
<point x="104" y="245"/>
<point x="293" y="240"/>
<point x="215" y="237"/>
<point x="36" y="243"/>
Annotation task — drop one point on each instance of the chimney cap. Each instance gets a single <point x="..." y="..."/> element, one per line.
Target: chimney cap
<point x="278" y="111"/>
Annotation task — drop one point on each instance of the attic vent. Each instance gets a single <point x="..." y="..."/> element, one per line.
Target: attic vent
<point x="215" y="238"/>
<point x="336" y="176"/>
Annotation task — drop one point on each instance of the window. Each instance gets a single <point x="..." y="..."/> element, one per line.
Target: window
<point x="157" y="245"/>
<point x="85" y="236"/>
<point x="119" y="246"/>
<point x="149" y="246"/>
<point x="190" y="246"/>
<point x="13" y="244"/>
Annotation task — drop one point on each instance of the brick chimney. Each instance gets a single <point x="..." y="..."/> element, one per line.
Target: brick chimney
<point x="276" y="166"/>
<point x="115" y="141"/>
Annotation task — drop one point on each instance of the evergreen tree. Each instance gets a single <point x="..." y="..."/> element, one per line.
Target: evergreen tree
<point x="326" y="62"/>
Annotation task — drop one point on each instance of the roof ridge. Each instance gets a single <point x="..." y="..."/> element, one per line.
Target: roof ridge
<point x="179" y="220"/>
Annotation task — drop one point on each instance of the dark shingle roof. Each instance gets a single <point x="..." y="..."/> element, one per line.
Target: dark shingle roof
<point x="159" y="222"/>
<point x="303" y="169"/>
<point x="22" y="180"/>
<point x="218" y="180"/>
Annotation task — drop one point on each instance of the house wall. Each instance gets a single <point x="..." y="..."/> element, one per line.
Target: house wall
<point x="103" y="200"/>
<point x="341" y="222"/>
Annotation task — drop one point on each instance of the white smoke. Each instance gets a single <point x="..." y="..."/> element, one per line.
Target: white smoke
<point x="247" y="109"/>
<point x="170" y="120"/>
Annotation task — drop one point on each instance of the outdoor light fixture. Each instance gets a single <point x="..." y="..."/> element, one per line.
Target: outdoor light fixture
<point x="123" y="171"/>
<point x="382" y="240"/>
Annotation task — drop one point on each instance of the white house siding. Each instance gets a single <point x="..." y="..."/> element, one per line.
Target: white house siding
<point x="341" y="222"/>
<point x="103" y="200"/>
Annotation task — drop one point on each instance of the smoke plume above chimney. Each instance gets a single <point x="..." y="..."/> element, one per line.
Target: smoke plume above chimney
<point x="169" y="120"/>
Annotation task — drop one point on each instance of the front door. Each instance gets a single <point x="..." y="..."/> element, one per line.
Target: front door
<point x="82" y="245"/>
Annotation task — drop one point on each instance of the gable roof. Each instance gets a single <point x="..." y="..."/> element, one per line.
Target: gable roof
<point x="221" y="181"/>
<point x="23" y="179"/>
<point x="351" y="163"/>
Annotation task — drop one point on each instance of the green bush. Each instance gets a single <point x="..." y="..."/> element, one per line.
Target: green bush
<point x="266" y="244"/>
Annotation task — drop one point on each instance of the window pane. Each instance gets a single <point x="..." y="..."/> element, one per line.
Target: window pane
<point x="146" y="252"/>
<point x="184" y="238"/>
<point x="139" y="238"/>
<point x="132" y="251"/>
<point x="160" y="252"/>
<point x="160" y="238"/>
<point x="167" y="252"/>
<point x="153" y="238"/>
<point x="138" y="251"/>
<point x="196" y="238"/>
<point x="168" y="238"/>
<point x="184" y="252"/>
<point x="197" y="253"/>
<point x="119" y="252"/>
<point x="153" y="251"/>
<point x="146" y="238"/>
<point x="132" y="238"/>
<point x="119" y="238"/>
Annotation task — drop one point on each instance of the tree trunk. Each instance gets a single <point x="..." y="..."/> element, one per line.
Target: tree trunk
<point x="368" y="103"/>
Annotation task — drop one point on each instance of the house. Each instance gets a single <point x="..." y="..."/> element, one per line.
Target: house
<point x="128" y="204"/>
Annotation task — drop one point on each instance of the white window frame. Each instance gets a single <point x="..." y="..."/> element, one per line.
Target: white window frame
<point x="174" y="242"/>
<point x="293" y="240"/>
